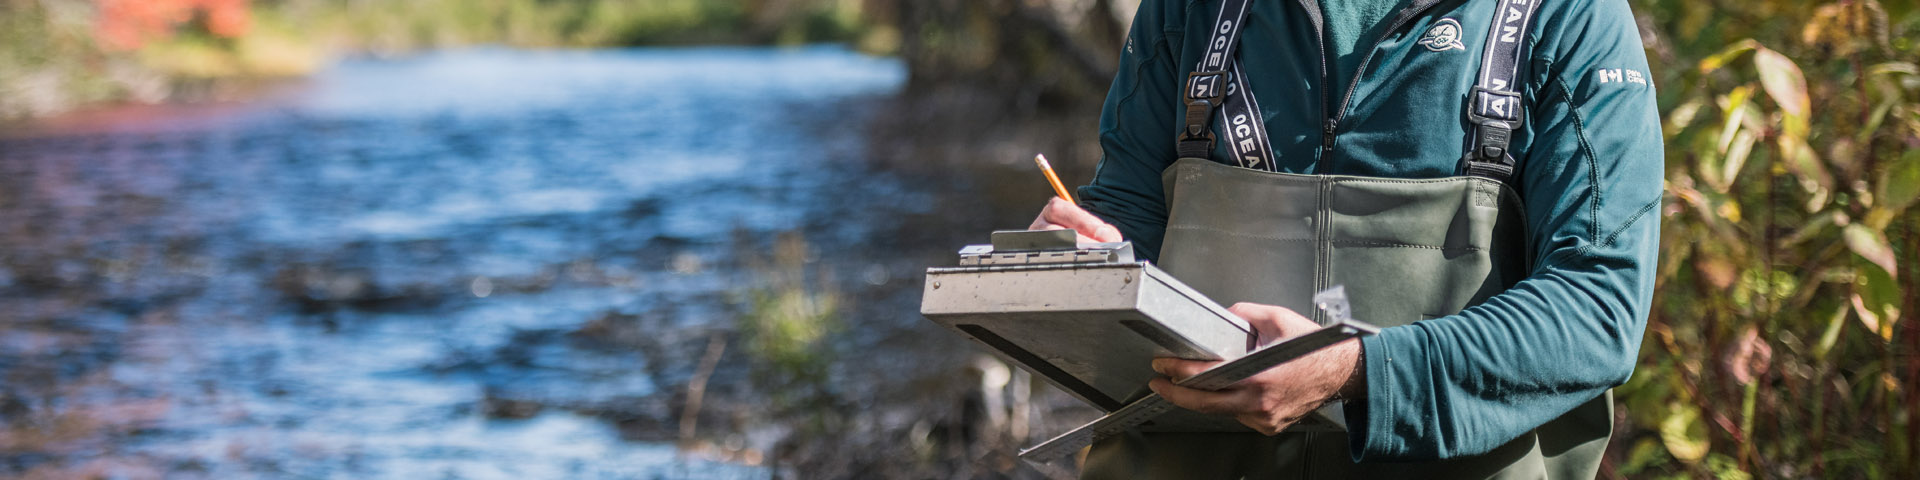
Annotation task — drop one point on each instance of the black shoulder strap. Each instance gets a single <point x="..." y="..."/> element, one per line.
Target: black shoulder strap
<point x="1494" y="109"/>
<point x="1217" y="82"/>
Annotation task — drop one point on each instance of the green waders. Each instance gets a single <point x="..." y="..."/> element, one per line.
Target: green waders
<point x="1406" y="250"/>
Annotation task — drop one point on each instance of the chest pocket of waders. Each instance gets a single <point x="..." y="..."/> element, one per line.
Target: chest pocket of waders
<point x="1406" y="250"/>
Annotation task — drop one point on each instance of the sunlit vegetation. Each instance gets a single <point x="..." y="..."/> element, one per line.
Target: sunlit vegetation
<point x="127" y="24"/>
<point x="392" y="26"/>
<point x="790" y="310"/>
<point x="49" y="61"/>
<point x="1781" y="343"/>
<point x="56" y="55"/>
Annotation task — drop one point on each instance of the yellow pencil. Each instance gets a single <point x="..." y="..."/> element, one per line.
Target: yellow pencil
<point x="1052" y="178"/>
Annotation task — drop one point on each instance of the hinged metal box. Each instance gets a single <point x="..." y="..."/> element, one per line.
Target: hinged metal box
<point x="1088" y="318"/>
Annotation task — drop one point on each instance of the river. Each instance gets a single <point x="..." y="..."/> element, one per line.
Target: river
<point x="494" y="263"/>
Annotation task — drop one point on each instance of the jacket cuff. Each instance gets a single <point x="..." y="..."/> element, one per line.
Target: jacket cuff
<point x="1370" y="421"/>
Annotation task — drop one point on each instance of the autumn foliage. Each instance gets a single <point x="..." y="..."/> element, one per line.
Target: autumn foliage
<point x="128" y="24"/>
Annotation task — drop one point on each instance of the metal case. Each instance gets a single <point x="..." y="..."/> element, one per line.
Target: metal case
<point x="1089" y="328"/>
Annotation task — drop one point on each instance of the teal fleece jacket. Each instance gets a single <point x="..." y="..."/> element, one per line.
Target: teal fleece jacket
<point x="1590" y="176"/>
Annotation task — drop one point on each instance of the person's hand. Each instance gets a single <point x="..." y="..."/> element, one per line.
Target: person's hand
<point x="1061" y="214"/>
<point x="1271" y="400"/>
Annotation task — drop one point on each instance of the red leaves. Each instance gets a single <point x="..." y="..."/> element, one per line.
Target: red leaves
<point x="128" y="24"/>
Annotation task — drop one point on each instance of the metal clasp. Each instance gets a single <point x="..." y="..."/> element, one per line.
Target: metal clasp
<point x="1205" y="91"/>
<point x="1494" y="115"/>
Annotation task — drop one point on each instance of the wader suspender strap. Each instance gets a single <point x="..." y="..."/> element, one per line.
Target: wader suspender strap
<point x="1494" y="109"/>
<point x="1218" y="82"/>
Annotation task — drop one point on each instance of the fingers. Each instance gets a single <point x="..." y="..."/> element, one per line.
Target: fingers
<point x="1227" y="402"/>
<point x="1065" y="214"/>
<point x="1221" y="402"/>
<point x="1179" y="369"/>
<point x="1040" y="222"/>
<point x="1274" y="323"/>
<point x="1237" y="402"/>
<point x="1077" y="236"/>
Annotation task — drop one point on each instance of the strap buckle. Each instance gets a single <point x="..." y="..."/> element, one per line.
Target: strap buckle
<point x="1209" y="86"/>
<point x="1205" y="91"/>
<point x="1493" y="115"/>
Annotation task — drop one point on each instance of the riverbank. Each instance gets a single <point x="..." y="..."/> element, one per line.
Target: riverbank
<point x="61" y="55"/>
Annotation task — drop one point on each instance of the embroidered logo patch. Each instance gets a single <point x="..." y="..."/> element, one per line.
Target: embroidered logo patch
<point x="1442" y="36"/>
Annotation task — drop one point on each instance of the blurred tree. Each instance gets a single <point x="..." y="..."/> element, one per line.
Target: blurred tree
<point x="1036" y="52"/>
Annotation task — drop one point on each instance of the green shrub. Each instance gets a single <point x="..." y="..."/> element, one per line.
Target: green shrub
<point x="1777" y="346"/>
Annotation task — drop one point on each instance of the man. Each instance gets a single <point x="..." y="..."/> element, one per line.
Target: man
<point x="1515" y="279"/>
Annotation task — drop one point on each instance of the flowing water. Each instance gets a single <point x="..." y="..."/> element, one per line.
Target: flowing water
<point x="468" y="264"/>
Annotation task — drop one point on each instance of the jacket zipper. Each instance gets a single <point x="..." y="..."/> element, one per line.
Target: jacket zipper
<point x="1334" y="117"/>
<point x="1314" y="16"/>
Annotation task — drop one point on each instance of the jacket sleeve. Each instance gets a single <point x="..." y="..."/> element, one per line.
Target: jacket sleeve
<point x="1136" y="131"/>
<point x="1591" y="181"/>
